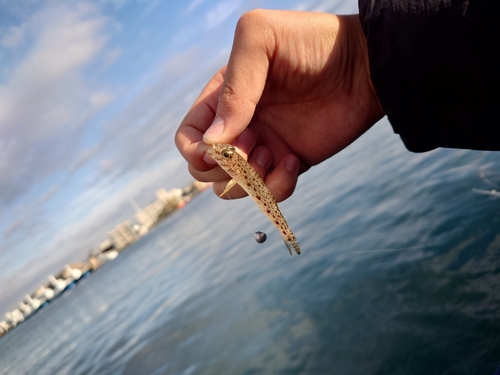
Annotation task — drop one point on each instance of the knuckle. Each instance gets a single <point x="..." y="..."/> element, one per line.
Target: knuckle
<point x="250" y="19"/>
<point x="254" y="26"/>
<point x="282" y="189"/>
<point x="230" y="97"/>
<point x="228" y="94"/>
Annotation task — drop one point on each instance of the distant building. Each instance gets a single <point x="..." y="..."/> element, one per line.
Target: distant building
<point x="26" y="309"/>
<point x="163" y="195"/>
<point x="150" y="214"/>
<point x="200" y="186"/>
<point x="166" y="203"/>
<point x="40" y="293"/>
<point x="122" y="235"/>
<point x="193" y="189"/>
<point x="33" y="302"/>
<point x="4" y="327"/>
<point x="14" y="317"/>
<point x="105" y="246"/>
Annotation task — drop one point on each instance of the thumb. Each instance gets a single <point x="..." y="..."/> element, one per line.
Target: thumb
<point x="244" y="80"/>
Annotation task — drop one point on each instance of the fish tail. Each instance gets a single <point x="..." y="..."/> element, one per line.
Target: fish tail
<point x="290" y="244"/>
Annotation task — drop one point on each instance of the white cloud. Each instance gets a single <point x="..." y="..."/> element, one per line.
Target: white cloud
<point x="220" y="12"/>
<point x="100" y="99"/>
<point x="14" y="227"/>
<point x="152" y="6"/>
<point x="111" y="56"/>
<point x="48" y="194"/>
<point x="83" y="158"/>
<point x="45" y="100"/>
<point x="117" y="4"/>
<point x="143" y="132"/>
<point x="61" y="49"/>
<point x="13" y="36"/>
<point x="193" y="5"/>
<point x="106" y="165"/>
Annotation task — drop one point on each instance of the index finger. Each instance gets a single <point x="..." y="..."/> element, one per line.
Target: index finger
<point x="189" y="135"/>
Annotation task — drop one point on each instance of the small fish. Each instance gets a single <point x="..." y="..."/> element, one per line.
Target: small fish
<point x="244" y="175"/>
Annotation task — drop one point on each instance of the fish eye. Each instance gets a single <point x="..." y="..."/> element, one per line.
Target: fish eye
<point x="227" y="154"/>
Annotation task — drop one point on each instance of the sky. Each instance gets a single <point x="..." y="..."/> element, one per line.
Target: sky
<point x="91" y="94"/>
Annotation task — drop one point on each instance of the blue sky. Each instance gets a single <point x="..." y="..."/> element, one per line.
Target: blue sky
<point x="91" y="93"/>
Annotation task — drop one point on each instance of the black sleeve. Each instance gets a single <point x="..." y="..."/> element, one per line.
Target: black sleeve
<point x="435" y="67"/>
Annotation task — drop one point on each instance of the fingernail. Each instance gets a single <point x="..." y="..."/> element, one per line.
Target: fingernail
<point x="292" y="164"/>
<point x="263" y="157"/>
<point x="214" y="131"/>
<point x="208" y="159"/>
<point x="245" y="141"/>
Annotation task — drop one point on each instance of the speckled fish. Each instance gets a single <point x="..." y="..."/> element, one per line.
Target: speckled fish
<point x="244" y="175"/>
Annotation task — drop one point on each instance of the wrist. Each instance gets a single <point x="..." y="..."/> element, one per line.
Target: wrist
<point x="356" y="44"/>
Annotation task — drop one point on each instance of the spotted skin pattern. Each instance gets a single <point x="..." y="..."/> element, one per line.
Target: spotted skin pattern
<point x="244" y="175"/>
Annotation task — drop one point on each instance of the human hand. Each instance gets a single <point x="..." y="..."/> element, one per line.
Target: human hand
<point x="296" y="91"/>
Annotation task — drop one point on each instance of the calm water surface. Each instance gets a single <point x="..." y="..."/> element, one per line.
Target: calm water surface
<point x="399" y="275"/>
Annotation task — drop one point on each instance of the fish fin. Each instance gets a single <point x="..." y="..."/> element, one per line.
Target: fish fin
<point x="229" y="185"/>
<point x="292" y="244"/>
<point x="287" y="244"/>
<point x="296" y="247"/>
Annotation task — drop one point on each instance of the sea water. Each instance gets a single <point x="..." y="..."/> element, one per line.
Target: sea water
<point x="399" y="275"/>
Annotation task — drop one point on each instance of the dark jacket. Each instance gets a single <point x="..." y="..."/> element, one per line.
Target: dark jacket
<point x="435" y="69"/>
